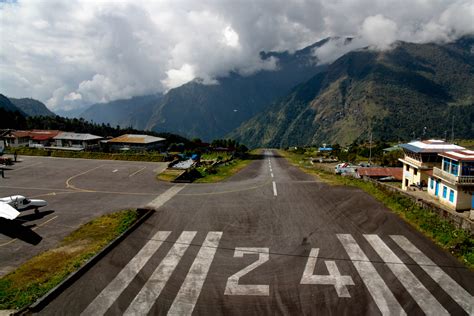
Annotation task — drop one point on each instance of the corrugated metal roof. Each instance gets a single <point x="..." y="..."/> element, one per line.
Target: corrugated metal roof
<point x="136" y="139"/>
<point x="397" y="173"/>
<point x="37" y="134"/>
<point x="76" y="136"/>
<point x="430" y="146"/>
<point x="460" y="155"/>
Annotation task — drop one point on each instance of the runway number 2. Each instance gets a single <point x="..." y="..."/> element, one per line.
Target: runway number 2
<point x="234" y="288"/>
<point x="334" y="278"/>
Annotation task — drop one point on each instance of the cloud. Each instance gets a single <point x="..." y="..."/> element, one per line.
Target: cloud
<point x="77" y="52"/>
<point x="379" y="31"/>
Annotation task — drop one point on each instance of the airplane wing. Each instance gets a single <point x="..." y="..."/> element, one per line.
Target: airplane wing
<point x="8" y="212"/>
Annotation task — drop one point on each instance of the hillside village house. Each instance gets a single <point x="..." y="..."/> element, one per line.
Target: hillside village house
<point x="76" y="141"/>
<point x="420" y="159"/>
<point x="453" y="183"/>
<point x="136" y="142"/>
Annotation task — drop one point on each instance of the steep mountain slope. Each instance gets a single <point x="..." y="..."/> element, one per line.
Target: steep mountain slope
<point x="32" y="107"/>
<point x="212" y="111"/>
<point x="134" y="112"/>
<point x="7" y="105"/>
<point x="395" y="93"/>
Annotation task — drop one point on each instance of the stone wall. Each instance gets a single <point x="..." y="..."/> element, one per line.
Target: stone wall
<point x="455" y="219"/>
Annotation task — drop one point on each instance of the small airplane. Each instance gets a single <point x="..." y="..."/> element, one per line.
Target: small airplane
<point x="11" y="206"/>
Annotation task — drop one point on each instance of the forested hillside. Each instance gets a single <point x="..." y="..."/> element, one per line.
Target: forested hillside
<point x="410" y="91"/>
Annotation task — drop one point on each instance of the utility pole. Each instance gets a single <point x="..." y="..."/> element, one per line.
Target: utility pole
<point x="452" y="130"/>
<point x="370" y="147"/>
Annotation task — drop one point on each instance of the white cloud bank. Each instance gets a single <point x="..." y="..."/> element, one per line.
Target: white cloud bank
<point x="67" y="53"/>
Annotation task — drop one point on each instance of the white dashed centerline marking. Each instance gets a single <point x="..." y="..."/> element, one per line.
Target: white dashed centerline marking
<point x="271" y="174"/>
<point x="115" y="170"/>
<point x="275" y="193"/>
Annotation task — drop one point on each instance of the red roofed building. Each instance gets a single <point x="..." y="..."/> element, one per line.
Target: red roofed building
<point x="33" y="138"/>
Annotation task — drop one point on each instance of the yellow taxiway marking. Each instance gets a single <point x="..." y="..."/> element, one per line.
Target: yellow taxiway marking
<point x="35" y="188"/>
<point x="136" y="172"/>
<point x="35" y="164"/>
<point x="44" y="223"/>
<point x="34" y="228"/>
<point x="65" y="191"/>
<point x="69" y="185"/>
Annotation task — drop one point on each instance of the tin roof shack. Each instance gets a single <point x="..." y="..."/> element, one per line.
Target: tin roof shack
<point x="381" y="174"/>
<point x="34" y="138"/>
<point x="420" y="157"/>
<point x="76" y="141"/>
<point x="453" y="183"/>
<point x="136" y="142"/>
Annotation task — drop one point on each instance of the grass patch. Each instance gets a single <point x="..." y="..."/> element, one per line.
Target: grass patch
<point x="169" y="174"/>
<point x="133" y="156"/>
<point x="457" y="241"/>
<point x="221" y="172"/>
<point x="228" y="169"/>
<point x="40" y="274"/>
<point x="216" y="156"/>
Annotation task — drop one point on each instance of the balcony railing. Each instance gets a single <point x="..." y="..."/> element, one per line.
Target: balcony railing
<point x="457" y="180"/>
<point x="412" y="161"/>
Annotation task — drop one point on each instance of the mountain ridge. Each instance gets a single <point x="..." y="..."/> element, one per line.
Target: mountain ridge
<point x="387" y="92"/>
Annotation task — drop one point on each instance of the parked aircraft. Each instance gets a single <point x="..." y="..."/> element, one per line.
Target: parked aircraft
<point x="18" y="203"/>
<point x="8" y="212"/>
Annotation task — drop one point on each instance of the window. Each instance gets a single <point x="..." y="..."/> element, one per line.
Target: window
<point x="415" y="171"/>
<point x="454" y="167"/>
<point x="446" y="164"/>
<point x="445" y="192"/>
<point x="408" y="168"/>
<point x="451" y="196"/>
<point x="431" y="183"/>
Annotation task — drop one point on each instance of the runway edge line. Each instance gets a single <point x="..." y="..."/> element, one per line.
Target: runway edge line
<point x="73" y="277"/>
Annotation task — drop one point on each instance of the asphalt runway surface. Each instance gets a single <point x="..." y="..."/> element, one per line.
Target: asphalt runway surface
<point x="271" y="240"/>
<point x="77" y="190"/>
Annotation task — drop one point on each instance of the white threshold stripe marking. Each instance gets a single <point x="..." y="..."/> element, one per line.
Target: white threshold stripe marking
<point x="145" y="299"/>
<point x="453" y="289"/>
<point x="275" y="193"/>
<point x="191" y="288"/>
<point x="383" y="297"/>
<point x="165" y="197"/>
<point x="420" y="294"/>
<point x="112" y="291"/>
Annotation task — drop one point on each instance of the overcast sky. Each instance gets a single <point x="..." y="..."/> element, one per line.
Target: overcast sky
<point x="68" y="53"/>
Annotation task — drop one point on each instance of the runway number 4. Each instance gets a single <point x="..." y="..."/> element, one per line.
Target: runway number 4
<point x="234" y="288"/>
<point x="334" y="278"/>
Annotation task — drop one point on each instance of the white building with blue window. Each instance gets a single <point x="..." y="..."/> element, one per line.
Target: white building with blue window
<point x="453" y="183"/>
<point x="419" y="160"/>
